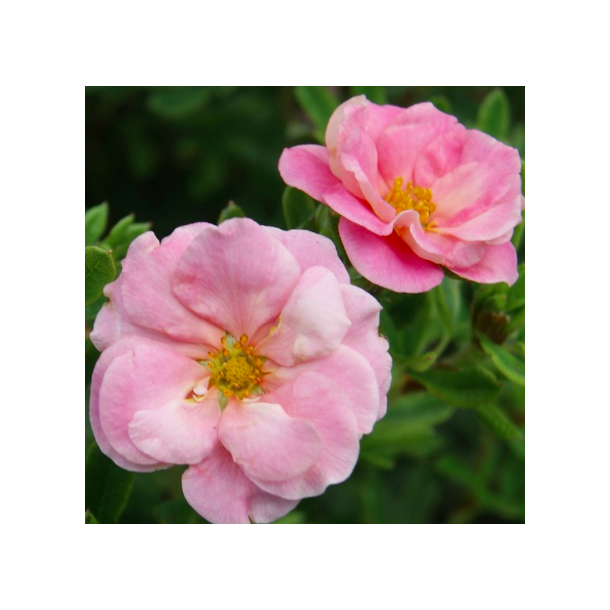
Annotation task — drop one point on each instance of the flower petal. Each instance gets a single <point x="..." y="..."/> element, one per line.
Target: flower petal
<point x="145" y="284"/>
<point x="179" y="433"/>
<point x="101" y="366"/>
<point x="400" y="145"/>
<point x="352" y="372"/>
<point x="266" y="442"/>
<point x="306" y="168"/>
<point x="388" y="261"/>
<point x="358" y="162"/>
<point x="149" y="376"/>
<point x="363" y="336"/>
<point x="236" y="275"/>
<point x="220" y="492"/>
<point x="321" y="401"/>
<point x="312" y="323"/>
<point x="311" y="250"/>
<point x="498" y="264"/>
<point x="356" y="210"/>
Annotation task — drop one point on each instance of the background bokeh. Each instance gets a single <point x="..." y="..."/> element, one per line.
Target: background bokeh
<point x="176" y="155"/>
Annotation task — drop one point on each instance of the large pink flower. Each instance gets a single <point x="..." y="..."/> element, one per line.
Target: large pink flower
<point x="417" y="191"/>
<point x="244" y="352"/>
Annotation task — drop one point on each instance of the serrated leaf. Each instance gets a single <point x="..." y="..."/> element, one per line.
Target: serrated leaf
<point x="107" y="487"/>
<point x="96" y="219"/>
<point x="494" y="114"/>
<point x="498" y="423"/>
<point x="298" y="207"/>
<point x="468" y="388"/>
<point x="318" y="103"/>
<point x="376" y="95"/>
<point x="232" y="210"/>
<point x="506" y="363"/>
<point x="99" y="270"/>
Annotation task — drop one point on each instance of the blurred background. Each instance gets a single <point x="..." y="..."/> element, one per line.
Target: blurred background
<point x="176" y="155"/>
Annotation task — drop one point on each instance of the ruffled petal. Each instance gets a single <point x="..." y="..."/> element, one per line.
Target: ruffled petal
<point x="498" y="264"/>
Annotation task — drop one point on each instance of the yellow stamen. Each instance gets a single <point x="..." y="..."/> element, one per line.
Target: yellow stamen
<point x="235" y="370"/>
<point x="413" y="198"/>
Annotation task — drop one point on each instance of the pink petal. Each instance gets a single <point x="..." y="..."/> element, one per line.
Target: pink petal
<point x="388" y="261"/>
<point x="221" y="493"/>
<point x="420" y="241"/>
<point x="358" y="162"/>
<point x="441" y="156"/>
<point x="101" y="366"/>
<point x="399" y="146"/>
<point x="494" y="223"/>
<point x="145" y="284"/>
<point x="113" y="324"/>
<point x="150" y="376"/>
<point x="312" y="323"/>
<point x="498" y="264"/>
<point x="311" y="250"/>
<point x="266" y="442"/>
<point x="363" y="336"/>
<point x="306" y="168"/>
<point x="353" y="373"/>
<point x="356" y="210"/>
<point x="179" y="433"/>
<point x="318" y="399"/>
<point x="342" y="120"/>
<point x="236" y="275"/>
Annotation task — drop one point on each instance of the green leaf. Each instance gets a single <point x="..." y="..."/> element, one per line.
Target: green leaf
<point x="494" y="114"/>
<point x="231" y="211"/>
<point x="373" y="94"/>
<point x="515" y="299"/>
<point x="99" y="270"/>
<point x="296" y="516"/>
<point x="318" y="103"/>
<point x="506" y="363"/>
<point x="442" y="103"/>
<point x="107" y="487"/>
<point x="89" y="518"/>
<point x="118" y="232"/>
<point x="468" y="388"/>
<point x="96" y="219"/>
<point x="498" y="423"/>
<point x="298" y="207"/>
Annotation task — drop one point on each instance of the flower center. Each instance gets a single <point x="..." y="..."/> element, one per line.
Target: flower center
<point x="412" y="198"/>
<point x="235" y="370"/>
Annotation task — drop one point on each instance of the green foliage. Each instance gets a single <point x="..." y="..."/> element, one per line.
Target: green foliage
<point x="231" y="211"/>
<point x="299" y="209"/>
<point x="96" y="220"/>
<point x="107" y="487"/>
<point x="376" y="95"/>
<point x="506" y="363"/>
<point x="467" y="388"/>
<point x="318" y="103"/>
<point x="494" y="115"/>
<point x="99" y="270"/>
<point x="451" y="448"/>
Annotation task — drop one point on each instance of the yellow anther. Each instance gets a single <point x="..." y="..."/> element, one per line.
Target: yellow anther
<point x="236" y="371"/>
<point x="412" y="198"/>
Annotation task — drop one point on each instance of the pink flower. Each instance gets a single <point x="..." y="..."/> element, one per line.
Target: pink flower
<point x="244" y="352"/>
<point x="416" y="191"/>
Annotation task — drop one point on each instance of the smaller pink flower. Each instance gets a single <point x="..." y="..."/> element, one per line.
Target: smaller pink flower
<point x="417" y="191"/>
<point x="243" y="352"/>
